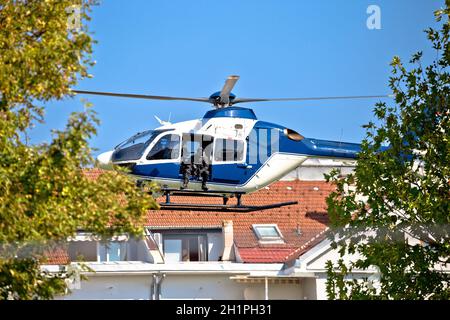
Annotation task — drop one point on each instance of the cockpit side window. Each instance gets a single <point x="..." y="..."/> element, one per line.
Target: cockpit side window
<point x="167" y="147"/>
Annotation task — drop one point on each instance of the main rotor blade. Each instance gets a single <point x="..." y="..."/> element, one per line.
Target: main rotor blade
<point x="226" y="90"/>
<point x="139" y="96"/>
<point x="244" y="100"/>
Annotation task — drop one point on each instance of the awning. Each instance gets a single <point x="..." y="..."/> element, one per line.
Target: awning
<point x="85" y="236"/>
<point x="270" y="279"/>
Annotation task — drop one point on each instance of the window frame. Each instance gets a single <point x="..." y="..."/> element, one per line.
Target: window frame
<point x="147" y="133"/>
<point x="122" y="245"/>
<point x="153" y="144"/>
<point x="244" y="151"/>
<point x="184" y="236"/>
<point x="261" y="238"/>
<point x="196" y="138"/>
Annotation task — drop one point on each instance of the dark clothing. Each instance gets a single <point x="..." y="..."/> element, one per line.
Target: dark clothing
<point x="196" y="165"/>
<point x="199" y="171"/>
<point x="203" y="171"/>
<point x="187" y="170"/>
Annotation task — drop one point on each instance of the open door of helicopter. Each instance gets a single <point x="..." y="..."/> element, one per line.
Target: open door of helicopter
<point x="196" y="155"/>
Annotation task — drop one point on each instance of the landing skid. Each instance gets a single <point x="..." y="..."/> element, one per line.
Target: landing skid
<point x="239" y="207"/>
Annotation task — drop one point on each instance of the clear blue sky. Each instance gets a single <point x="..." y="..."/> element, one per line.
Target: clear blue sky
<point x="279" y="48"/>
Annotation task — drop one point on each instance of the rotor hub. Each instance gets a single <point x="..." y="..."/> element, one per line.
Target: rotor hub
<point x="217" y="101"/>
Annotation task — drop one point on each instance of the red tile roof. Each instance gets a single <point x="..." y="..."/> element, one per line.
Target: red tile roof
<point x="93" y="173"/>
<point x="58" y="255"/>
<point x="264" y="255"/>
<point x="299" y="224"/>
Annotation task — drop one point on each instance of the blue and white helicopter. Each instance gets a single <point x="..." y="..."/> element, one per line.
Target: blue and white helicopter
<point x="242" y="154"/>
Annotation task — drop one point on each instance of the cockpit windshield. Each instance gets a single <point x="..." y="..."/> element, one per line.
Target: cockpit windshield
<point x="141" y="137"/>
<point x="134" y="147"/>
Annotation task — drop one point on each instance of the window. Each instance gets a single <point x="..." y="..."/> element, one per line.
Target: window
<point x="229" y="150"/>
<point x="191" y="146"/>
<point x="112" y="251"/>
<point x="184" y="247"/>
<point x="134" y="147"/>
<point x="168" y="147"/>
<point x="140" y="138"/>
<point x="196" y="148"/>
<point x="268" y="232"/>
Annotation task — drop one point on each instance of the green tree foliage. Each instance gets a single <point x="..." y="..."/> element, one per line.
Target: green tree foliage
<point x="403" y="192"/>
<point x="44" y="195"/>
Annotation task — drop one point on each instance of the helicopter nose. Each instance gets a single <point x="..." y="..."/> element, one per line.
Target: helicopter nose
<point x="104" y="159"/>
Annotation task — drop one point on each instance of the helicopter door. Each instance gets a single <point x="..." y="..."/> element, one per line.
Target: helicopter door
<point x="229" y="157"/>
<point x="196" y="148"/>
<point x="163" y="159"/>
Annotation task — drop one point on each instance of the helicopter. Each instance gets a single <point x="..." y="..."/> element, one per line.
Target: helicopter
<point x="238" y="153"/>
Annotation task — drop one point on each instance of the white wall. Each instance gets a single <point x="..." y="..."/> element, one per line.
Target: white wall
<point x="201" y="286"/>
<point x="321" y="287"/>
<point x="181" y="286"/>
<point x="142" y="252"/>
<point x="113" y="287"/>
<point x="314" y="263"/>
<point x="319" y="262"/>
<point x="215" y="246"/>
<point x="285" y="291"/>
<point x="309" y="288"/>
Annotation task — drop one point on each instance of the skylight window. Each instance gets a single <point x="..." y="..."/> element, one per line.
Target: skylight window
<point x="268" y="232"/>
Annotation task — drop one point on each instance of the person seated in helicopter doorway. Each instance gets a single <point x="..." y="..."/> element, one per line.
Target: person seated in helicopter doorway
<point x="201" y="167"/>
<point x="203" y="172"/>
<point x="196" y="165"/>
<point x="187" y="168"/>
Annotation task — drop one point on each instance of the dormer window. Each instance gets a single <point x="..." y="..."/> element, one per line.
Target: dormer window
<point x="268" y="233"/>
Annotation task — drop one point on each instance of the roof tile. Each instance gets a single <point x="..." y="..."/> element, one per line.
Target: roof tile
<point x="58" y="255"/>
<point x="298" y="223"/>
